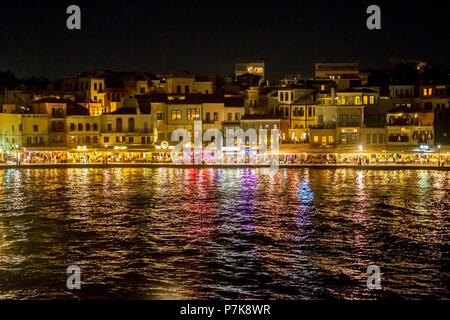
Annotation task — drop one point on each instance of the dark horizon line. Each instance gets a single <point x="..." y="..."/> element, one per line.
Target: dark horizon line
<point x="386" y="67"/>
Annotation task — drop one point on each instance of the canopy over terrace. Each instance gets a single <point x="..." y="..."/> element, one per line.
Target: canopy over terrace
<point x="353" y="149"/>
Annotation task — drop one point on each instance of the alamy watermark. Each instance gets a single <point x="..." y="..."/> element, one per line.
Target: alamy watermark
<point x="74" y="20"/>
<point x="74" y="280"/>
<point x="241" y="147"/>
<point x="374" y="279"/>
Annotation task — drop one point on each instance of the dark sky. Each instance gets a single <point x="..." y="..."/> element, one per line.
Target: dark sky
<point x="208" y="37"/>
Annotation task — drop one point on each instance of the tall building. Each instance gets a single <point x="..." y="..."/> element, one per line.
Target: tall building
<point x="256" y="67"/>
<point x="345" y="74"/>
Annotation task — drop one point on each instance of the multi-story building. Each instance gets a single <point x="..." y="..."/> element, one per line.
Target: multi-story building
<point x="344" y="74"/>
<point x="410" y="127"/>
<point x="267" y="122"/>
<point x="127" y="128"/>
<point x="187" y="83"/>
<point x="19" y="131"/>
<point x="83" y="130"/>
<point x="255" y="67"/>
<point x="435" y="97"/>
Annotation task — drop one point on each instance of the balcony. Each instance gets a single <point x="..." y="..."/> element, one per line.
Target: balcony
<point x="404" y="122"/>
<point x="330" y="125"/>
<point x="349" y="125"/>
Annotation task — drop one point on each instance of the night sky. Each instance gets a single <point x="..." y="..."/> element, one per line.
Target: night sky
<point x="208" y="37"/>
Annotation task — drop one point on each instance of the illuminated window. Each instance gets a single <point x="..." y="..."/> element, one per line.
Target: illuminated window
<point x="430" y="92"/>
<point x="365" y="100"/>
<point x="176" y="115"/>
<point x="372" y="99"/>
<point x="357" y="100"/>
<point x="193" y="114"/>
<point x="330" y="140"/>
<point x="316" y="139"/>
<point x="322" y="87"/>
<point x="425" y="91"/>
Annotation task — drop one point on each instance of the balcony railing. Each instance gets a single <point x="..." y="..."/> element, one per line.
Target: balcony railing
<point x="404" y="122"/>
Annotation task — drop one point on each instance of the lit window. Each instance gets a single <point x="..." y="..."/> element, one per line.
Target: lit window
<point x="316" y="139"/>
<point x="430" y="92"/>
<point x="365" y="99"/>
<point x="193" y="114"/>
<point x="425" y="91"/>
<point x="372" y="99"/>
<point x="176" y="115"/>
<point x="330" y="140"/>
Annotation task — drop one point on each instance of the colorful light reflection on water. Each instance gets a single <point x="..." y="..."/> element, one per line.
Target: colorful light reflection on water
<point x="223" y="233"/>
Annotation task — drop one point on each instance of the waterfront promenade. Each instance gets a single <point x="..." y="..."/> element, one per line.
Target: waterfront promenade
<point x="393" y="166"/>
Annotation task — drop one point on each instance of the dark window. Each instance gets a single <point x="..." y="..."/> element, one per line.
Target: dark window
<point x="119" y="125"/>
<point x="131" y="125"/>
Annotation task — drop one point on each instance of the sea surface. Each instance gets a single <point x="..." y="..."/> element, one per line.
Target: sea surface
<point x="168" y="233"/>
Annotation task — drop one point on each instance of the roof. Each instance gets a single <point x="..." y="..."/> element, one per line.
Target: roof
<point x="74" y="109"/>
<point x="353" y="90"/>
<point x="52" y="100"/>
<point x="234" y="102"/>
<point x="190" y="98"/>
<point x="125" y="110"/>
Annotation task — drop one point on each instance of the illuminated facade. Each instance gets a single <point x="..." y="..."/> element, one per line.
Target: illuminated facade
<point x="252" y="67"/>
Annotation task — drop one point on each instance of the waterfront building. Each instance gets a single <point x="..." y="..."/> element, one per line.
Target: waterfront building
<point x="410" y="127"/>
<point x="22" y="131"/>
<point x="233" y="111"/>
<point x="83" y="130"/>
<point x="267" y="122"/>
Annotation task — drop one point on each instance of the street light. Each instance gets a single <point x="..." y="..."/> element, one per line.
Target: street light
<point x="360" y="155"/>
<point x="439" y="155"/>
<point x="17" y="153"/>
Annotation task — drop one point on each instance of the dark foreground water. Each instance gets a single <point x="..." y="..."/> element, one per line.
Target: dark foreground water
<point x="224" y="233"/>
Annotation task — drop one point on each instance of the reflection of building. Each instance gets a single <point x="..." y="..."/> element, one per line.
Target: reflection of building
<point x="256" y="67"/>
